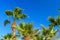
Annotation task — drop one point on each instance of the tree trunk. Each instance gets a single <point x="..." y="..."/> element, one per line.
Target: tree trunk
<point x="48" y="38"/>
<point x="27" y="37"/>
<point x="13" y="28"/>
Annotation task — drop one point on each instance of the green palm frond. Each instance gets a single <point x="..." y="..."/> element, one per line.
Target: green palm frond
<point x="22" y="25"/>
<point x="8" y="12"/>
<point x="21" y="28"/>
<point x="18" y="10"/>
<point x="20" y="16"/>
<point x="17" y="13"/>
<point x="38" y="37"/>
<point x="58" y="19"/>
<point x="17" y="16"/>
<point x="53" y="33"/>
<point x="43" y="27"/>
<point x="25" y="28"/>
<point x="23" y="16"/>
<point x="7" y="36"/>
<point x="51" y="19"/>
<point x="36" y="30"/>
<point x="6" y="22"/>
<point x="44" y="30"/>
<point x="29" y="26"/>
<point x="51" y="27"/>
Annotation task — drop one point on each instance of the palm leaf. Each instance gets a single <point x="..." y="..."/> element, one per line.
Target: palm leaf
<point x="25" y="28"/>
<point x="43" y="27"/>
<point x="38" y="37"/>
<point x="22" y="25"/>
<point x="23" y="16"/>
<point x="21" y="28"/>
<point x="53" y="33"/>
<point x="44" y="30"/>
<point x="8" y="12"/>
<point x="51" y="19"/>
<point x="58" y="19"/>
<point x="6" y="22"/>
<point x="20" y="16"/>
<point x="51" y="27"/>
<point x="7" y="36"/>
<point x="18" y="10"/>
<point x="18" y="13"/>
<point x="29" y="27"/>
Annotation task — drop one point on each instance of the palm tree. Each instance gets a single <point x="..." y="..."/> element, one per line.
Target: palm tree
<point x="37" y="35"/>
<point x="55" y="21"/>
<point x="26" y="29"/>
<point x="16" y="14"/>
<point x="48" y="32"/>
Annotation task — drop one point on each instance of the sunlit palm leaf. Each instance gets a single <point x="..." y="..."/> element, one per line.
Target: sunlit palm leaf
<point x="6" y="22"/>
<point x="8" y="12"/>
<point x="21" y="28"/>
<point x="46" y="31"/>
<point x="22" y="25"/>
<point x="53" y="33"/>
<point x="27" y="27"/>
<point x="51" y="27"/>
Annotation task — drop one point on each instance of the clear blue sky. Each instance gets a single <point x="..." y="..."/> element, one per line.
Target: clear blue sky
<point x="37" y="10"/>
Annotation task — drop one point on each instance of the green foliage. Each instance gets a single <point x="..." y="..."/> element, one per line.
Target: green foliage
<point x="20" y="16"/>
<point x="18" y="10"/>
<point x="27" y="28"/>
<point x="49" y="32"/>
<point x="58" y="20"/>
<point x="52" y="20"/>
<point x="16" y="14"/>
<point x="6" y="22"/>
<point x="8" y="12"/>
<point x="7" y="36"/>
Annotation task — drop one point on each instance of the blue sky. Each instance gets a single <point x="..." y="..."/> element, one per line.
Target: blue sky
<point x="37" y="10"/>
